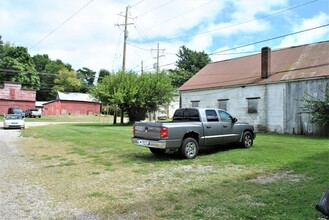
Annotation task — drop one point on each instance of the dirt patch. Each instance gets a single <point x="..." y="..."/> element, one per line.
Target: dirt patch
<point x="273" y="177"/>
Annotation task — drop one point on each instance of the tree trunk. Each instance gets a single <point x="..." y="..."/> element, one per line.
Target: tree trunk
<point x="115" y="115"/>
<point x="136" y="114"/>
<point x="122" y="116"/>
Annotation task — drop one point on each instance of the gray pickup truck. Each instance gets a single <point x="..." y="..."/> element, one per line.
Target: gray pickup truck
<point x="190" y="129"/>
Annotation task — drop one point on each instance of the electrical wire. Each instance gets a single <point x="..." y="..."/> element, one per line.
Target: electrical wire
<point x="273" y="38"/>
<point x="59" y="26"/>
<point x="133" y="5"/>
<point x="245" y="22"/>
<point x="144" y="13"/>
<point x="187" y="12"/>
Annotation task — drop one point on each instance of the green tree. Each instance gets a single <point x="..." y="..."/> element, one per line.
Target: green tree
<point x="66" y="81"/>
<point x="135" y="94"/>
<point x="86" y="77"/>
<point x="48" y="70"/>
<point x="1" y="47"/>
<point x="46" y="79"/>
<point x="17" y="65"/>
<point x="40" y="62"/>
<point x="318" y="108"/>
<point x="103" y="73"/>
<point x="189" y="63"/>
<point x="56" y="65"/>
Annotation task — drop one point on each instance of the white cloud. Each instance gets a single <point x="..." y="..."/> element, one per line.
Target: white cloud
<point x="176" y="18"/>
<point x="309" y="36"/>
<point x="200" y="42"/>
<point x="91" y="39"/>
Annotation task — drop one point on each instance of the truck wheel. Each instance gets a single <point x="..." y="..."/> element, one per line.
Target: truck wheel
<point x="189" y="148"/>
<point x="247" y="139"/>
<point x="157" y="151"/>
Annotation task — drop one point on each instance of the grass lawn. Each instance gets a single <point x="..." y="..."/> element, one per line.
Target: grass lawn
<point x="96" y="168"/>
<point x="72" y="118"/>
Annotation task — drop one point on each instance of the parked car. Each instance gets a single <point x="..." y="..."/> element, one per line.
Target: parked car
<point x="162" y="116"/>
<point x="192" y="128"/>
<point x="33" y="113"/>
<point x="17" y="111"/>
<point x="13" y="121"/>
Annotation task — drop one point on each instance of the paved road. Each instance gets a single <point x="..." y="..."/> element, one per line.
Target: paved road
<point x="20" y="199"/>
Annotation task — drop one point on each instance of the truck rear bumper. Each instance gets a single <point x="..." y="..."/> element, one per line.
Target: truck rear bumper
<point x="160" y="144"/>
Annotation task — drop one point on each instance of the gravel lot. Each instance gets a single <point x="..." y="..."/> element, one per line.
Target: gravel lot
<point x="20" y="199"/>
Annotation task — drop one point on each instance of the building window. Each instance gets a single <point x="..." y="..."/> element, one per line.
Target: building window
<point x="195" y="104"/>
<point x="222" y="104"/>
<point x="253" y="105"/>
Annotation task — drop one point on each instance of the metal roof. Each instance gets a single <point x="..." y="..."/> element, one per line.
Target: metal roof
<point x="73" y="96"/>
<point x="293" y="63"/>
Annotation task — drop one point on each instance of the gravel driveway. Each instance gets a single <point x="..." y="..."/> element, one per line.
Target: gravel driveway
<point x="20" y="199"/>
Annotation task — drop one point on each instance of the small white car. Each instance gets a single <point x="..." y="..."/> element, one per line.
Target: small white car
<point x="13" y="121"/>
<point x="162" y="116"/>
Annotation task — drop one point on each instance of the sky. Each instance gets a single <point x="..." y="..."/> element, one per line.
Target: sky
<point x="90" y="33"/>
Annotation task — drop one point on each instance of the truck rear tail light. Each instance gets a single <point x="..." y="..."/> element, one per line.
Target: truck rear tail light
<point x="163" y="132"/>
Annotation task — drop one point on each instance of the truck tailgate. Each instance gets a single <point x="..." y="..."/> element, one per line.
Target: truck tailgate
<point x="147" y="130"/>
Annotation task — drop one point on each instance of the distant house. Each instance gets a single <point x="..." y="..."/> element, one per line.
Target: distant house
<point x="265" y="89"/>
<point x="72" y="104"/>
<point x="12" y="95"/>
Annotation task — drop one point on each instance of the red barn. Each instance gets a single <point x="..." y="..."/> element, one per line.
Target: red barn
<point x="12" y="95"/>
<point x="72" y="104"/>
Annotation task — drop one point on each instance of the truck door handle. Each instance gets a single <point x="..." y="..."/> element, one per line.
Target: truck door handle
<point x="225" y="126"/>
<point x="208" y="126"/>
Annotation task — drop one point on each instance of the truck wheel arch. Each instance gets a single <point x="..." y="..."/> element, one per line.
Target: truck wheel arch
<point x="193" y="135"/>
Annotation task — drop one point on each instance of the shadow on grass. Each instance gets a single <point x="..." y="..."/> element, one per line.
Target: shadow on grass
<point x="219" y="148"/>
<point x="148" y="156"/>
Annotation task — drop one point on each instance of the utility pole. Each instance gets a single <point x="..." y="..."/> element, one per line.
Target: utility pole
<point x="125" y="37"/>
<point x="158" y="56"/>
<point x="125" y="42"/>
<point x="125" y="34"/>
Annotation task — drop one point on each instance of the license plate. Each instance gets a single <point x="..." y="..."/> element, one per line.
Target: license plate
<point x="143" y="142"/>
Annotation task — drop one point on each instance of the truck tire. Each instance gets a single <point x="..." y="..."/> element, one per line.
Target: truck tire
<point x="189" y="148"/>
<point x="247" y="139"/>
<point x="157" y="151"/>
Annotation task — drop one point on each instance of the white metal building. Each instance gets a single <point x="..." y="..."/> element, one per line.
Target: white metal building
<point x="265" y="89"/>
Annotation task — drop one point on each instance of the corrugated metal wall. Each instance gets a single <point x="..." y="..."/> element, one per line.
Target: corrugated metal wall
<point x="297" y="119"/>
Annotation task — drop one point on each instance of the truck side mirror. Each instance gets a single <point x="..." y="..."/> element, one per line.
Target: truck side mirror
<point x="235" y="120"/>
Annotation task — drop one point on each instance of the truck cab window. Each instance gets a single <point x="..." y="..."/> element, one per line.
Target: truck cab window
<point x="194" y="115"/>
<point x="211" y="115"/>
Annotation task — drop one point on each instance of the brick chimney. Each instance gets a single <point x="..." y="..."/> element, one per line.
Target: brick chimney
<point x="265" y="62"/>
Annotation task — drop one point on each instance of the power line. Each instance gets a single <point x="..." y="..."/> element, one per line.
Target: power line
<point x="273" y="38"/>
<point x="132" y="45"/>
<point x="179" y="15"/>
<point x="59" y="26"/>
<point x="164" y="4"/>
<point x="133" y="5"/>
<point x="245" y="22"/>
